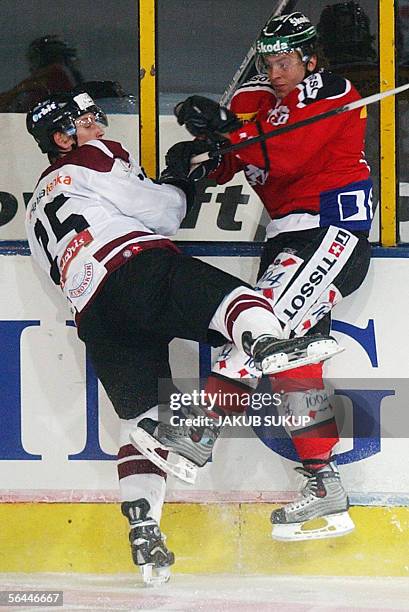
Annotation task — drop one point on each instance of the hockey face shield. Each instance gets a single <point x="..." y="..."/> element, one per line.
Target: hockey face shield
<point x="283" y="63"/>
<point x="59" y="114"/>
<point x="82" y="112"/>
<point x="92" y="118"/>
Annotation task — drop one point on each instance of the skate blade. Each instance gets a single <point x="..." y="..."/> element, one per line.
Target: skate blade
<point x="280" y="362"/>
<point x="335" y="525"/>
<point x="154" y="576"/>
<point x="146" y="444"/>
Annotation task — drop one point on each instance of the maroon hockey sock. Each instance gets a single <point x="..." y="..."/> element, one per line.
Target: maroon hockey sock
<point x="132" y="462"/>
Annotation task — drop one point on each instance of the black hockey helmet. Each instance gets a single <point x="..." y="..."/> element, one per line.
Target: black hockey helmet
<point x="344" y="33"/>
<point x="58" y="114"/>
<point x="49" y="49"/>
<point x="284" y="34"/>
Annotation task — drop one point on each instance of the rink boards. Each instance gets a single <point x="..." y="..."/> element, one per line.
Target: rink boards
<point x="57" y="419"/>
<point x="58" y="445"/>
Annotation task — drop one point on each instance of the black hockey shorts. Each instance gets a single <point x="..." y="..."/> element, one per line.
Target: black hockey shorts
<point x="155" y="297"/>
<point x="312" y="270"/>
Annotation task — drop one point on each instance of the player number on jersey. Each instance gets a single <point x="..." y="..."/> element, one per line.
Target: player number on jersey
<point x="60" y="229"/>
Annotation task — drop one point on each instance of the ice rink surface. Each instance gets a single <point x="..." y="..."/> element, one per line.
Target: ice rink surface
<point x="216" y="593"/>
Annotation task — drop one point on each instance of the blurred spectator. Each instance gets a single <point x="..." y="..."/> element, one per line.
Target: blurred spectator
<point x="345" y="37"/>
<point x="54" y="67"/>
<point x="344" y="33"/>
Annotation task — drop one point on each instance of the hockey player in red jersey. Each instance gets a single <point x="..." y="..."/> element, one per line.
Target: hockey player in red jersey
<point x="316" y="187"/>
<point x="98" y="227"/>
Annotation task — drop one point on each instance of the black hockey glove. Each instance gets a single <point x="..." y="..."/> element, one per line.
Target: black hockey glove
<point x="205" y="117"/>
<point x="178" y="159"/>
<point x="180" y="173"/>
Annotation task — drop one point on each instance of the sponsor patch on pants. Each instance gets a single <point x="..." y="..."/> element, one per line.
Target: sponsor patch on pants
<point x="320" y="272"/>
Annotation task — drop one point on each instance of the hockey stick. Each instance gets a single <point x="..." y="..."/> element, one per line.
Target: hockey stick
<point x="240" y="72"/>
<point x="198" y="159"/>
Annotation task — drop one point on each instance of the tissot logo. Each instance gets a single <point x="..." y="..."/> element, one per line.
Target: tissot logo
<point x="314" y="280"/>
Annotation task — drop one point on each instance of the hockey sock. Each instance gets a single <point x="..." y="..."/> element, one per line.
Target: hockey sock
<point x="226" y="396"/>
<point x="319" y="446"/>
<point x="245" y="310"/>
<point x="138" y="477"/>
<point x="303" y="394"/>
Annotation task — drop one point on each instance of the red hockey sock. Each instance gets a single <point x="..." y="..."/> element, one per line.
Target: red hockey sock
<point x="227" y="395"/>
<point x="315" y="442"/>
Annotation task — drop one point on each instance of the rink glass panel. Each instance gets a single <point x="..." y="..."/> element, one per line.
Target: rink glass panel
<point x="95" y="47"/>
<point x="202" y="44"/>
<point x="103" y="38"/>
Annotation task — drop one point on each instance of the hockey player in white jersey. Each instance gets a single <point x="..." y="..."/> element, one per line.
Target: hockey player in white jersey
<point x="99" y="228"/>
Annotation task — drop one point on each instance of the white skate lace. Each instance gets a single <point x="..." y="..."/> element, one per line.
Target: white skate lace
<point x="308" y="493"/>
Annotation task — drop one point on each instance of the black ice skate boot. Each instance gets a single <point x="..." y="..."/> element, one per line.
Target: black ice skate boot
<point x="271" y="355"/>
<point x="148" y="548"/>
<point x="323" y="496"/>
<point x="191" y="443"/>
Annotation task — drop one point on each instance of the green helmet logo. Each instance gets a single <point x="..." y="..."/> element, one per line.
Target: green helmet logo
<point x="286" y="33"/>
<point x="273" y="45"/>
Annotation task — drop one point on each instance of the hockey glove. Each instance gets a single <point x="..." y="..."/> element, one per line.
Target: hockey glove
<point x="168" y="177"/>
<point x="178" y="159"/>
<point x="180" y="173"/>
<point x="204" y="117"/>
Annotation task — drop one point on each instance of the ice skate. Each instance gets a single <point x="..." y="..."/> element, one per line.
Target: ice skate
<point x="191" y="445"/>
<point x="148" y="548"/>
<point x="271" y="355"/>
<point x="323" y="497"/>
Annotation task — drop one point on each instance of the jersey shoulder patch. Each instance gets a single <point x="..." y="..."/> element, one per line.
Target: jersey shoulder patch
<point x="258" y="80"/>
<point x="250" y="96"/>
<point x="322" y="85"/>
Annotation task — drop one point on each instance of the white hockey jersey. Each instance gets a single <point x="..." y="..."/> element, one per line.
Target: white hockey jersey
<point x="94" y="209"/>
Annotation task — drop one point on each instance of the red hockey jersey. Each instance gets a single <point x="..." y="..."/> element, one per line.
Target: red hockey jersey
<point x="315" y="176"/>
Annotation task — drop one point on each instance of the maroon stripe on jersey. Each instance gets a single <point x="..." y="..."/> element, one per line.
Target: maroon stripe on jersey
<point x="132" y="250"/>
<point x="139" y="466"/>
<point x="107" y="248"/>
<point x="119" y="260"/>
<point x="117" y="149"/>
<point x="87" y="156"/>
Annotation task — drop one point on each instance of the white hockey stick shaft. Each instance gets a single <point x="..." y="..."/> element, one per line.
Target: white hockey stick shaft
<point x="231" y="88"/>
<point x="198" y="159"/>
